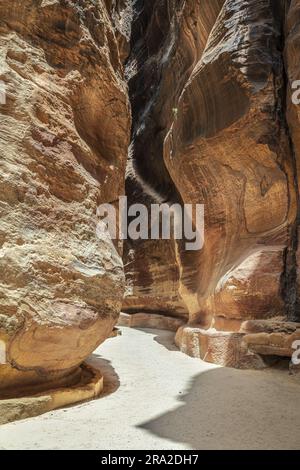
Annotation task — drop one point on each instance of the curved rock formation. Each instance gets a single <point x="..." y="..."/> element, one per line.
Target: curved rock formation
<point x="228" y="148"/>
<point x="63" y="144"/>
<point x="167" y="40"/>
<point x="208" y="89"/>
<point x="211" y="86"/>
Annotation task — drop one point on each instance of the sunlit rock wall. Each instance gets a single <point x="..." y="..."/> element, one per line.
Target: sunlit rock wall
<point x="63" y="146"/>
<point x="208" y="85"/>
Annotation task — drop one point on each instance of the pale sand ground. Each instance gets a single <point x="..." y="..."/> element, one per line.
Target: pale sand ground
<point x="158" y="398"/>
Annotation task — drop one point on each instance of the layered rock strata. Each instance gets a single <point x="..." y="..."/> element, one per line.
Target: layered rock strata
<point x="65" y="124"/>
<point x="213" y="123"/>
<point x="211" y="88"/>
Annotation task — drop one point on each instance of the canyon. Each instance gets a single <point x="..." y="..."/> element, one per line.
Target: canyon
<point x="210" y="85"/>
<point x="164" y="101"/>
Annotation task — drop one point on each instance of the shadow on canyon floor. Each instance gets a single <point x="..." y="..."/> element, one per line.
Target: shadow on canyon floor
<point x="163" y="337"/>
<point x="110" y="377"/>
<point x="235" y="409"/>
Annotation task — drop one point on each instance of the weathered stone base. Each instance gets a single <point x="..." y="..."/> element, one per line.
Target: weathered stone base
<point x="89" y="385"/>
<point x="218" y="347"/>
<point x="256" y="345"/>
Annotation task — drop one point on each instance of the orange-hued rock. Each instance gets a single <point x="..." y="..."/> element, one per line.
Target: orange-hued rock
<point x="167" y="40"/>
<point x="209" y="85"/>
<point x="250" y="290"/>
<point x="228" y="148"/>
<point x="89" y="385"/>
<point x="63" y="146"/>
<point x="212" y="124"/>
<point x="152" y="278"/>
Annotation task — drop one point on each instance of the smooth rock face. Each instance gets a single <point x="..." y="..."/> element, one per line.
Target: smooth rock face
<point x="168" y="39"/>
<point x="63" y="147"/>
<point x="228" y="148"/>
<point x="152" y="278"/>
<point x="213" y="123"/>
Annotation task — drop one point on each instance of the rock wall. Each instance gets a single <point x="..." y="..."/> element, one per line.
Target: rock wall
<point x="168" y="38"/>
<point x="213" y="123"/>
<point x="65" y="128"/>
<point x="209" y="86"/>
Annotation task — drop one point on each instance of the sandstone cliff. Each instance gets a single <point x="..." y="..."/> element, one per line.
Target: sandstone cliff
<point x="63" y="147"/>
<point x="195" y="97"/>
<point x="213" y="123"/>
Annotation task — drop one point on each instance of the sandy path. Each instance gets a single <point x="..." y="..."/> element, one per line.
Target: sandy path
<point x="163" y="399"/>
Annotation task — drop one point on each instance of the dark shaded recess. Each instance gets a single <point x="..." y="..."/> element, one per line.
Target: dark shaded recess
<point x="150" y="31"/>
<point x="153" y="25"/>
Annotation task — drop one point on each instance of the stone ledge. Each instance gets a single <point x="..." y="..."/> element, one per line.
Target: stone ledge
<point x="256" y="345"/>
<point x="218" y="347"/>
<point x="90" y="386"/>
<point x="253" y="346"/>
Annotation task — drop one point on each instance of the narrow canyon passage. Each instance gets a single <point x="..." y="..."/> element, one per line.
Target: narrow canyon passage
<point x="213" y="123"/>
<point x="158" y="398"/>
<point x="187" y="102"/>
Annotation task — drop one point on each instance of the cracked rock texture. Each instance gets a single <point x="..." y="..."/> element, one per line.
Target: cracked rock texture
<point x="213" y="123"/>
<point x="63" y="146"/>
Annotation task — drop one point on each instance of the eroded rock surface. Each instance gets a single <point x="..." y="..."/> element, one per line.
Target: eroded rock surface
<point x="214" y="124"/>
<point x="210" y="85"/>
<point x="63" y="148"/>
